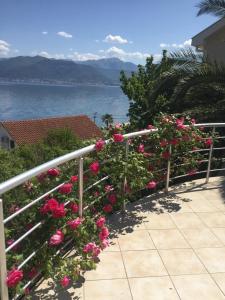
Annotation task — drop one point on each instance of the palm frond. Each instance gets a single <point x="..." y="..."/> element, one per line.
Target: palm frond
<point x="207" y="74"/>
<point x="214" y="7"/>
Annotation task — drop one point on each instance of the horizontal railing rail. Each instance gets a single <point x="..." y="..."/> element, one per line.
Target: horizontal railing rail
<point x="78" y="155"/>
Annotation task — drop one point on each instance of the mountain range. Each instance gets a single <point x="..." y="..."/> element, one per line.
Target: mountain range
<point x="38" y="69"/>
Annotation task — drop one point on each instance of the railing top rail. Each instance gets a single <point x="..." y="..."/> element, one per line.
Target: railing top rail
<point x="21" y="178"/>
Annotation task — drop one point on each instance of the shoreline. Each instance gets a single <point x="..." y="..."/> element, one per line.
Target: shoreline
<point x="56" y="85"/>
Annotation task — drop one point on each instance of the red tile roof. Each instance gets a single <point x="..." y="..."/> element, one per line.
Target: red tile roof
<point x="33" y="131"/>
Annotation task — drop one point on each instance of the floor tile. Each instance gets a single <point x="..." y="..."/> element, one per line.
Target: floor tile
<point x="116" y="289"/>
<point x="213" y="219"/>
<point x="110" y="266"/>
<point x="113" y="246"/>
<point x="201" y="238"/>
<point x="137" y="240"/>
<point x="199" y="287"/>
<point x="212" y="258"/>
<point x="220" y="280"/>
<point x="159" y="221"/>
<point x="153" y="288"/>
<point x="181" y="262"/>
<point x="220" y="233"/>
<point x="187" y="220"/>
<point x="202" y="205"/>
<point x="143" y="263"/>
<point x="168" y="239"/>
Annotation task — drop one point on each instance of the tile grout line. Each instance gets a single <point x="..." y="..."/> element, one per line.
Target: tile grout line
<point x="165" y="266"/>
<point x="193" y="249"/>
<point x="125" y="271"/>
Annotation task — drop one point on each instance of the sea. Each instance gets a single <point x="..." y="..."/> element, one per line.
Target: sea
<point x="27" y="101"/>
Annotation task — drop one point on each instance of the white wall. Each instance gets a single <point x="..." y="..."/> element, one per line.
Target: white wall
<point x="4" y="134"/>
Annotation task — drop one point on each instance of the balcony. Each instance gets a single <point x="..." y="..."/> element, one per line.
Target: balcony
<point x="170" y="244"/>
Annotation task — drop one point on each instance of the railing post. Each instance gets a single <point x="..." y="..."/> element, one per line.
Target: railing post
<point x="81" y="185"/>
<point x="210" y="157"/>
<point x="3" y="266"/>
<point x="168" y="171"/>
<point x="125" y="170"/>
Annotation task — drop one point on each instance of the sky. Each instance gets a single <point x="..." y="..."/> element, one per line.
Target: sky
<point x="91" y="29"/>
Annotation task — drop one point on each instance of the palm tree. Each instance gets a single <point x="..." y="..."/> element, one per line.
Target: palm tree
<point x="107" y="119"/>
<point x="214" y="7"/>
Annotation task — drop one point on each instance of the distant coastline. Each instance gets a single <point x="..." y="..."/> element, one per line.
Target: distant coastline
<point x="9" y="82"/>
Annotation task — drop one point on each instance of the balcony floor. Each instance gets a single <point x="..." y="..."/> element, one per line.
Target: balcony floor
<point x="164" y="248"/>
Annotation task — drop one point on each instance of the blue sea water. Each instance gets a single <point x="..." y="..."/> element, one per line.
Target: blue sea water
<point x="19" y="101"/>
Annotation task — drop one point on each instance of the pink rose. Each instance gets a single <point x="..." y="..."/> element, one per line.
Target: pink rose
<point x="52" y="204"/>
<point x="73" y="224"/>
<point x="166" y="155"/>
<point x="66" y="188"/>
<point x="95" y="167"/>
<point x="208" y="142"/>
<point x="108" y="188"/>
<point x="174" y="142"/>
<point x="74" y="207"/>
<point x="100" y="222"/>
<point x="118" y="126"/>
<point x="192" y="172"/>
<point x="99" y="145"/>
<point x="104" y="244"/>
<point x="180" y="123"/>
<point x="151" y="185"/>
<point x="96" y="251"/>
<point x="44" y="209"/>
<point x="104" y="233"/>
<point x="74" y="178"/>
<point x="112" y="198"/>
<point x="193" y="121"/>
<point x="41" y="177"/>
<point x="141" y="148"/>
<point x="56" y="238"/>
<point x="163" y="143"/>
<point x="64" y="282"/>
<point x="59" y="211"/>
<point x="14" y="277"/>
<point x="89" y="247"/>
<point x="118" y="138"/>
<point x="96" y="194"/>
<point x="150" y="126"/>
<point x="10" y="242"/>
<point x="107" y="208"/>
<point x="32" y="273"/>
<point x="53" y="172"/>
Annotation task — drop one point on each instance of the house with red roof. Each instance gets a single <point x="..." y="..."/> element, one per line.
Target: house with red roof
<point x="16" y="133"/>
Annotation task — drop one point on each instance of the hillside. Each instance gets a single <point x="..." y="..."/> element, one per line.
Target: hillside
<point x="39" y="69"/>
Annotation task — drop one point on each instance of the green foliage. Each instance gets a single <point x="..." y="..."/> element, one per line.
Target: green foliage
<point x="183" y="82"/>
<point x="213" y="7"/>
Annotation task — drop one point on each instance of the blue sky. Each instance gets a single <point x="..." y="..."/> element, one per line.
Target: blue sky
<point x="87" y="29"/>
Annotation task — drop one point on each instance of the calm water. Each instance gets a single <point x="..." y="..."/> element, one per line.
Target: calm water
<point x="33" y="101"/>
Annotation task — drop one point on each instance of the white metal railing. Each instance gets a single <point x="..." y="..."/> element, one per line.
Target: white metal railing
<point x="76" y="155"/>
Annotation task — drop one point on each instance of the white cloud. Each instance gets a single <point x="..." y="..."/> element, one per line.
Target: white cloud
<point x="116" y="39"/>
<point x="48" y="55"/>
<point x="44" y="32"/>
<point x="157" y="58"/>
<point x="123" y="55"/>
<point x="83" y="56"/>
<point x="4" y="48"/>
<point x="65" y="34"/>
<point x="185" y="44"/>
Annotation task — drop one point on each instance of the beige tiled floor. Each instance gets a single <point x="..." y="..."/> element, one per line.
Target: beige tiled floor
<point x="164" y="248"/>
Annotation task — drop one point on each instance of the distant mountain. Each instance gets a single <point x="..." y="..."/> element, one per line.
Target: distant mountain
<point x="111" y="64"/>
<point x="39" y="69"/>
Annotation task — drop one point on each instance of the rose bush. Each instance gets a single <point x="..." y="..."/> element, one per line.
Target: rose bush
<point x="142" y="167"/>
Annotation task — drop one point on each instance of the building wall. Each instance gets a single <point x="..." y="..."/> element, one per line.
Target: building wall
<point x="5" y="139"/>
<point x="214" y="46"/>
